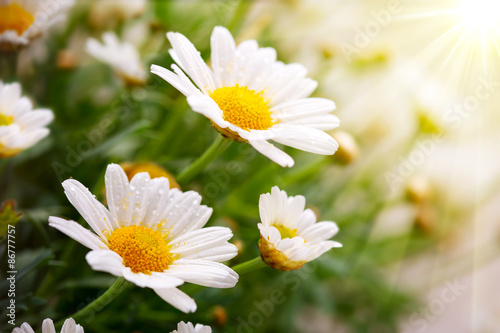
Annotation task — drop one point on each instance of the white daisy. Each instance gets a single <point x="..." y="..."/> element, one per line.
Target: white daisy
<point x="20" y="126"/>
<point x="289" y="234"/>
<point x="182" y="327"/>
<point x="24" y="20"/>
<point x="69" y="326"/>
<point x="123" y="57"/>
<point x="104" y="12"/>
<point x="251" y="97"/>
<point x="151" y="235"/>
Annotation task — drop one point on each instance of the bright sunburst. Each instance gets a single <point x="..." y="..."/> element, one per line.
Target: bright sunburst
<point x="459" y="39"/>
<point x="481" y="15"/>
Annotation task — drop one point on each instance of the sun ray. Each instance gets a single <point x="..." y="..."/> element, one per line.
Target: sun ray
<point x="457" y="44"/>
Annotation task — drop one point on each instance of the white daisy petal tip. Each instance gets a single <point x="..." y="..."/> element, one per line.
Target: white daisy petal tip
<point x="48" y="327"/>
<point x="21" y="125"/>
<point x="188" y="327"/>
<point x="254" y="98"/>
<point x="289" y="234"/>
<point x="152" y="235"/>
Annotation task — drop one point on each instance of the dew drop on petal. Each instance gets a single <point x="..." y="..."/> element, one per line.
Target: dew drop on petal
<point x="125" y="203"/>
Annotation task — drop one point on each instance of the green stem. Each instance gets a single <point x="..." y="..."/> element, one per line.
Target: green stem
<point x="239" y="13"/>
<point x="218" y="146"/>
<point x="249" y="266"/>
<point x="97" y="305"/>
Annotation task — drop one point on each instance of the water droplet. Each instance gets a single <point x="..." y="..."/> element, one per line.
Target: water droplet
<point x="125" y="203"/>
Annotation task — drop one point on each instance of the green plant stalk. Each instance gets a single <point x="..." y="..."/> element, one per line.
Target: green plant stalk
<point x="98" y="304"/>
<point x="218" y="147"/>
<point x="249" y="266"/>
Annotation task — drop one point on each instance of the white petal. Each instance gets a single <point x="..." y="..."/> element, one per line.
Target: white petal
<point x="77" y="232"/>
<point x="48" y="326"/>
<point x="35" y="119"/>
<point x="272" y="152"/>
<point x="311" y="112"/>
<point x="274" y="236"/>
<point x="185" y="214"/>
<point x="223" y="57"/>
<point x="138" y="202"/>
<point x="207" y="243"/>
<point x="306" y="139"/>
<point x="96" y="215"/>
<point x="206" y="106"/>
<point x="117" y="194"/>
<point x="178" y="82"/>
<point x="106" y="261"/>
<point x="288" y="82"/>
<point x="190" y="59"/>
<point x="307" y="218"/>
<point x="204" y="273"/>
<point x="156" y="280"/>
<point x="177" y="299"/>
<point x="25" y="328"/>
<point x="293" y="208"/>
<point x="319" y="249"/>
<point x="320" y="231"/>
<point x="70" y="326"/>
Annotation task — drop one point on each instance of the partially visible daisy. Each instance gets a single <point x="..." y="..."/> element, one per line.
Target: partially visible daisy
<point x="289" y="234"/>
<point x="251" y="97"/>
<point x="69" y="326"/>
<point x="106" y="12"/>
<point x="152" y="235"/>
<point x="182" y="327"/>
<point x="24" y="20"/>
<point x="20" y="126"/>
<point x="123" y="57"/>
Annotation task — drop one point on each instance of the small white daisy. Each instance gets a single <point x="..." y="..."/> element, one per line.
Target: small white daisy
<point x="69" y="326"/>
<point x="123" y="57"/>
<point x="104" y="12"/>
<point x="20" y="126"/>
<point x="251" y="97"/>
<point x="24" y="20"/>
<point x="182" y="327"/>
<point x="152" y="235"/>
<point x="289" y="234"/>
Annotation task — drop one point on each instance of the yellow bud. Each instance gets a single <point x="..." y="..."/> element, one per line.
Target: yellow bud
<point x="154" y="170"/>
<point x="348" y="151"/>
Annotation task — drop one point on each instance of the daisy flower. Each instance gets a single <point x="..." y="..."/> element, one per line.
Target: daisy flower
<point x="106" y="12"/>
<point x="23" y="20"/>
<point x="289" y="234"/>
<point x="48" y="327"/>
<point x="152" y="235"/>
<point x="182" y="327"/>
<point x="250" y="97"/>
<point x="20" y="126"/>
<point x="123" y="57"/>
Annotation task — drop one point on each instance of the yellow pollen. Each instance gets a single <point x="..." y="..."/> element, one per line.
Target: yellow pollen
<point x="285" y="232"/>
<point x="243" y="107"/>
<point x="15" y="17"/>
<point x="5" y="120"/>
<point x="142" y="249"/>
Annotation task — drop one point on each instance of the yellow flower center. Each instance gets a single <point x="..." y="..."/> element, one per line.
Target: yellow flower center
<point x="243" y="107"/>
<point x="5" y="120"/>
<point x="142" y="249"/>
<point x="285" y="232"/>
<point x="15" y="17"/>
